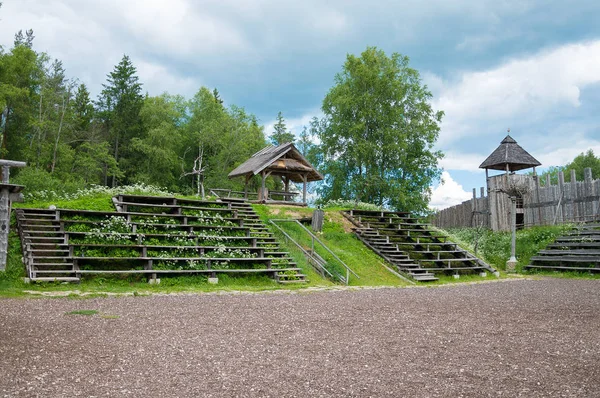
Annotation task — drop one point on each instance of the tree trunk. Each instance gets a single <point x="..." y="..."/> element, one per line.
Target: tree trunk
<point x="62" y="118"/>
<point x="6" y="112"/>
<point x="114" y="178"/>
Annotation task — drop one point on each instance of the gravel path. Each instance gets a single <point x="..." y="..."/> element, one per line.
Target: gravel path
<point x="521" y="338"/>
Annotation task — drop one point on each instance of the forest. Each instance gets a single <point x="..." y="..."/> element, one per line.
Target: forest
<point x="373" y="146"/>
<point x="70" y="140"/>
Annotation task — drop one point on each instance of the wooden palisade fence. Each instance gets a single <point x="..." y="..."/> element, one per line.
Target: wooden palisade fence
<point x="540" y="204"/>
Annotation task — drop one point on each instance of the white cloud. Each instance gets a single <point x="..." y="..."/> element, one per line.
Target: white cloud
<point x="565" y="154"/>
<point x="453" y="160"/>
<point x="522" y="88"/>
<point x="448" y="193"/>
<point x="161" y="79"/>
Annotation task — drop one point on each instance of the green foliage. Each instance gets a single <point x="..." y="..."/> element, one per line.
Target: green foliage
<point x="341" y="204"/>
<point x="99" y="197"/>
<point x="280" y="134"/>
<point x="583" y="161"/>
<point x="578" y="164"/>
<point x="41" y="183"/>
<point x="495" y="246"/>
<point x="378" y="133"/>
<point x="83" y="312"/>
<point x="123" y="138"/>
<point x="338" y="237"/>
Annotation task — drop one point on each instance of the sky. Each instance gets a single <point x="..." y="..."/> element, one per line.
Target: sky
<point x="491" y="65"/>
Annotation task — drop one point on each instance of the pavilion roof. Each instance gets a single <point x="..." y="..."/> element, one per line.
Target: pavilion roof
<point x="510" y="154"/>
<point x="284" y="159"/>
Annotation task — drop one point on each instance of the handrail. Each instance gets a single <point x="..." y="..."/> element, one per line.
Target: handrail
<point x="316" y="262"/>
<point x="314" y="238"/>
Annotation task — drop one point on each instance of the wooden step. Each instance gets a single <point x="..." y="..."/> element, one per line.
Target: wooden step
<point x="55" y="279"/>
<point x="562" y="268"/>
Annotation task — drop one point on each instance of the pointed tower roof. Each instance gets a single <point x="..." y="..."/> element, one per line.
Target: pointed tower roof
<point x="510" y="154"/>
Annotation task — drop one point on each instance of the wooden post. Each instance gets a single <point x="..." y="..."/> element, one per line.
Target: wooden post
<point x="512" y="262"/>
<point x="262" y="187"/>
<point x="537" y="200"/>
<point x="247" y="178"/>
<point x="561" y="196"/>
<point x="474" y="208"/>
<point x="574" y="204"/>
<point x="304" y="180"/>
<point x="5" y="202"/>
<point x="588" y="194"/>
<point x="484" y="206"/>
<point x="287" y="186"/>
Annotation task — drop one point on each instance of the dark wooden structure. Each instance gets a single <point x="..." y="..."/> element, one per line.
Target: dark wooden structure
<point x="152" y="236"/>
<point x="502" y="190"/>
<point x="509" y="157"/>
<point x="283" y="161"/>
<point x="577" y="251"/>
<point x="538" y="202"/>
<point x="414" y="248"/>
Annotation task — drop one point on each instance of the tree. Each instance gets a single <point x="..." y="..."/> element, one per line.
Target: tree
<point x="583" y="161"/>
<point x="378" y="133"/>
<point x="579" y="163"/>
<point x="20" y="77"/>
<point x="24" y="39"/>
<point x="280" y="134"/>
<point x="217" y="140"/>
<point x="120" y="103"/>
<point x="155" y="152"/>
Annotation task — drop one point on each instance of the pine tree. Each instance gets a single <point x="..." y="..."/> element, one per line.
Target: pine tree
<point x="120" y="103"/>
<point x="280" y="134"/>
<point x="24" y="39"/>
<point x="217" y="96"/>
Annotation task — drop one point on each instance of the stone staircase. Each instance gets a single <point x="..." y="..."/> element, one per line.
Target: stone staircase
<point x="412" y="247"/>
<point x="577" y="251"/>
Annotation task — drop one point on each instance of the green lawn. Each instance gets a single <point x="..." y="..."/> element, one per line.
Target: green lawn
<point x="338" y="237"/>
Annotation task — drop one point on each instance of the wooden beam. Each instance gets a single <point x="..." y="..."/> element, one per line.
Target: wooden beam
<point x="304" y="178"/>
<point x="247" y="178"/>
<point x="262" y="186"/>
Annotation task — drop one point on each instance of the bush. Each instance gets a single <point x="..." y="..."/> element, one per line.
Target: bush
<point x="350" y="204"/>
<point x="494" y="247"/>
<point x="39" y="182"/>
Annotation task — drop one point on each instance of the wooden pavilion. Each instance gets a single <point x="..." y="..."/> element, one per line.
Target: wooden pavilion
<point x="284" y="161"/>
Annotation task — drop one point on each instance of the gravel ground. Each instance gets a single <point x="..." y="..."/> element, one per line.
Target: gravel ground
<point x="520" y="338"/>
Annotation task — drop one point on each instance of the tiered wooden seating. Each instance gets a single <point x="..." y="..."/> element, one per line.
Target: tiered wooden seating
<point x="156" y="236"/>
<point x="259" y="230"/>
<point x="413" y="247"/>
<point x="577" y="251"/>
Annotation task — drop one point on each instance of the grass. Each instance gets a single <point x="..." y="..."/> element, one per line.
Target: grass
<point x="98" y="202"/>
<point x="494" y="247"/>
<point x="336" y="235"/>
<point x="83" y="312"/>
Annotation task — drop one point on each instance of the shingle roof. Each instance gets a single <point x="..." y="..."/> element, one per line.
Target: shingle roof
<point x="280" y="160"/>
<point x="509" y="153"/>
